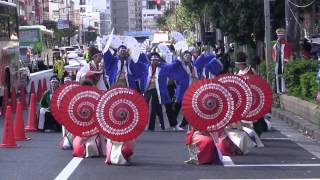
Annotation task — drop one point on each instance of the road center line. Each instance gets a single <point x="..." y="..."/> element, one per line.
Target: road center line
<point x="275" y="139"/>
<point x="273" y="165"/>
<point x="259" y="179"/>
<point x="227" y="161"/>
<point x="68" y="170"/>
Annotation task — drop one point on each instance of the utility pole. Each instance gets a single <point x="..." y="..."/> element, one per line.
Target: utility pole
<point x="291" y="35"/>
<point x="267" y="38"/>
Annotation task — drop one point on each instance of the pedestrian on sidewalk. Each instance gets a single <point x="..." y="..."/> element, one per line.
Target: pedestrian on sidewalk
<point x="281" y="53"/>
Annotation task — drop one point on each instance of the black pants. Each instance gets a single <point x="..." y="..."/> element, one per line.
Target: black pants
<point x="170" y="106"/>
<point x="260" y="126"/>
<point x="171" y="115"/>
<point x="51" y="123"/>
<point x="177" y="108"/>
<point x="156" y="109"/>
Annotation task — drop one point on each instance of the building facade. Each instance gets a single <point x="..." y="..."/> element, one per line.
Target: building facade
<point x="126" y="15"/>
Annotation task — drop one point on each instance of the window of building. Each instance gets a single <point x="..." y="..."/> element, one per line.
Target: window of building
<point x="4" y="21"/>
<point x="82" y="2"/>
<point x="13" y="31"/>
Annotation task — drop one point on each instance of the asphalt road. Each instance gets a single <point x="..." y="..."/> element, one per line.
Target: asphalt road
<point x="160" y="155"/>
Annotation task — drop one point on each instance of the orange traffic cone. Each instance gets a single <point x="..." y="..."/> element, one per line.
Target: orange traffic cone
<point x="32" y="126"/>
<point x="13" y="99"/>
<point x="22" y="97"/>
<point x="8" y="140"/>
<point x="45" y="87"/>
<point x="39" y="91"/>
<point x="32" y="91"/>
<point x="4" y="102"/>
<point x="19" y="133"/>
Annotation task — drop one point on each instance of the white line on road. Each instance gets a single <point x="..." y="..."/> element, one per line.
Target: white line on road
<point x="260" y="179"/>
<point x="275" y="139"/>
<point x="68" y="170"/>
<point x="273" y="165"/>
<point x="227" y="161"/>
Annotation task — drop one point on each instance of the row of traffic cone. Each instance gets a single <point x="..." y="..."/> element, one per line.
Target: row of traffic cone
<point x="13" y="101"/>
<point x="11" y="133"/>
<point x="5" y="101"/>
<point x="40" y="90"/>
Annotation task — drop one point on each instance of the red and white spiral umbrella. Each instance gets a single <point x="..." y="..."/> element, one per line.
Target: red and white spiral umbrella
<point x="57" y="97"/>
<point x="240" y="92"/>
<point x="122" y="114"/>
<point x="78" y="108"/>
<point x="261" y="97"/>
<point x="208" y="105"/>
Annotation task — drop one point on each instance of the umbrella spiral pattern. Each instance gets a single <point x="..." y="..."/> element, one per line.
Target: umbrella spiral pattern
<point x="208" y="105"/>
<point x="121" y="114"/>
<point x="261" y="97"/>
<point x="79" y="107"/>
<point x="241" y="94"/>
<point x="57" y="97"/>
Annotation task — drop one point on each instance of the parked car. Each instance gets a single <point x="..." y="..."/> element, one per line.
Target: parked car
<point x="70" y="52"/>
<point x="79" y="50"/>
<point x="27" y="58"/>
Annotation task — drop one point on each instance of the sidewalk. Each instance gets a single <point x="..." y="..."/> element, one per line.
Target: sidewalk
<point x="297" y="122"/>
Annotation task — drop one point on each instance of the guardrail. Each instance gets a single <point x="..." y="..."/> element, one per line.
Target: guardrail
<point x="46" y="74"/>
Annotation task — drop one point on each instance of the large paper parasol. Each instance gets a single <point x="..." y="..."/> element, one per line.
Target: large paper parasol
<point x="208" y="105"/>
<point x="241" y="94"/>
<point x="122" y="114"/>
<point x="78" y="108"/>
<point x="261" y="97"/>
<point x="57" y="97"/>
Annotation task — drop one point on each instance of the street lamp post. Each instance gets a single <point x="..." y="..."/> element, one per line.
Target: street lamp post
<point x="267" y="38"/>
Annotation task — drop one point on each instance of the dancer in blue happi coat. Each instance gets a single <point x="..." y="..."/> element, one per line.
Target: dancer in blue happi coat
<point x="121" y="70"/>
<point x="200" y="63"/>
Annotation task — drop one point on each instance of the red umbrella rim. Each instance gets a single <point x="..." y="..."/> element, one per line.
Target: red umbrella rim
<point x="59" y="93"/>
<point x="238" y="85"/>
<point x="203" y="121"/>
<point x="263" y="92"/>
<point x="137" y="116"/>
<point x="88" y="97"/>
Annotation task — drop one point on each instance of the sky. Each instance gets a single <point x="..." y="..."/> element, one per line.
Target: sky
<point x="99" y="4"/>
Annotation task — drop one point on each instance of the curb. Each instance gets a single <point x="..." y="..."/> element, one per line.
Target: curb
<point x="297" y="122"/>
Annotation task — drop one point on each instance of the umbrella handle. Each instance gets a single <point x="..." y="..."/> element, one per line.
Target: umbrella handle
<point x="215" y="137"/>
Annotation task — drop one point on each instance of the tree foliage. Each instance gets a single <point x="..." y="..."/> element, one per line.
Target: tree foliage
<point x="91" y="34"/>
<point x="60" y="33"/>
<point x="179" y="19"/>
<point x="52" y="25"/>
<point x="239" y="19"/>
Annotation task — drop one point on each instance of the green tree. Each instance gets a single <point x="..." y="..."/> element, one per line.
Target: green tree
<point x="240" y="19"/>
<point x="52" y="25"/>
<point x="165" y="22"/>
<point x="185" y="19"/>
<point x="65" y="33"/>
<point x="91" y="34"/>
<point x="199" y="9"/>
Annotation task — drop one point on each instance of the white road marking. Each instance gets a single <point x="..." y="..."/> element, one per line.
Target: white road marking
<point x="273" y="165"/>
<point x="275" y="139"/>
<point x="227" y="161"/>
<point x="68" y="170"/>
<point x="261" y="179"/>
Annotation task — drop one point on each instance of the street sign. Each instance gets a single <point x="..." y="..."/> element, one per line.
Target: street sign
<point x="63" y="24"/>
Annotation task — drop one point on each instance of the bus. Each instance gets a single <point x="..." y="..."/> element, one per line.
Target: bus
<point x="41" y="40"/>
<point x="12" y="71"/>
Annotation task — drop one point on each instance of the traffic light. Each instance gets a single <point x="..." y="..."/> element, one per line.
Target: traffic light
<point x="158" y="2"/>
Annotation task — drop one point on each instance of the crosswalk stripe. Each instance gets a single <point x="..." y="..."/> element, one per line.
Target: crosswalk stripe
<point x="68" y="170"/>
